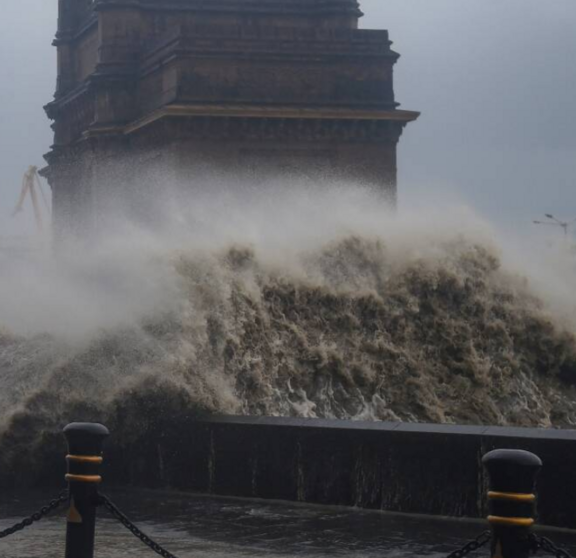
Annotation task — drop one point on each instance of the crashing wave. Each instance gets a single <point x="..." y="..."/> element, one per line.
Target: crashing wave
<point x="351" y="335"/>
<point x="364" y="323"/>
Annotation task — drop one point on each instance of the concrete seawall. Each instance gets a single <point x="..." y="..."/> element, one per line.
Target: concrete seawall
<point x="402" y="467"/>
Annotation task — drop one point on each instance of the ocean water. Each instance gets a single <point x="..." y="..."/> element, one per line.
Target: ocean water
<point x="305" y="304"/>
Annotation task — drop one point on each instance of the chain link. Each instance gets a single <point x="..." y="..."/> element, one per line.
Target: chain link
<point x="43" y="512"/>
<point x="478" y="542"/>
<point x="548" y="546"/>
<point x="111" y="507"/>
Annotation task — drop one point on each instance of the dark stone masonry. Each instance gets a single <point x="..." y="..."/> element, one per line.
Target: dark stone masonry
<point x="248" y="88"/>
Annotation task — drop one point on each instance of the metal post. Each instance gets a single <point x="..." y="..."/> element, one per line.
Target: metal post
<point x="511" y="500"/>
<point x="84" y="459"/>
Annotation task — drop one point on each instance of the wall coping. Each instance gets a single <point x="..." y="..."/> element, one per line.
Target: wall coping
<point x="399" y="427"/>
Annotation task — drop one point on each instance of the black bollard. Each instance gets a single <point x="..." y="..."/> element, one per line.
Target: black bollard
<point x="511" y="500"/>
<point x="84" y="459"/>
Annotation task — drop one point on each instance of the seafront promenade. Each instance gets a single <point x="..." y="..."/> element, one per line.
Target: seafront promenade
<point x="194" y="526"/>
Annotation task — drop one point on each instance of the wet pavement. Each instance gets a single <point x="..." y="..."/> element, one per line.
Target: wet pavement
<point x="205" y="527"/>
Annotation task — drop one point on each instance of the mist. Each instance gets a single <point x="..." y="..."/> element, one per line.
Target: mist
<point x="494" y="81"/>
<point x="128" y="273"/>
<point x="299" y="302"/>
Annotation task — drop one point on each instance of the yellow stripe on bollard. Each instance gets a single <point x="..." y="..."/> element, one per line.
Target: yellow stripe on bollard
<point x="512" y="496"/>
<point x="515" y="521"/>
<point x="84" y="478"/>
<point x="85" y="459"/>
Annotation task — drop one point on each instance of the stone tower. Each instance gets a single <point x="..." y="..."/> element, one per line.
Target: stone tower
<point x="252" y="88"/>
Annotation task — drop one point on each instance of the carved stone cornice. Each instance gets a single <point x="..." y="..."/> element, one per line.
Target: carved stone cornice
<point x="53" y="108"/>
<point x="168" y="128"/>
<point x="271" y="44"/>
<point x="246" y="7"/>
<point x="273" y="112"/>
<point x="286" y="129"/>
<point x="230" y="128"/>
<point x="71" y="36"/>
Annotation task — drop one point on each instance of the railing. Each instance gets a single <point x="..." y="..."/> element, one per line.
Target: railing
<point x="511" y="501"/>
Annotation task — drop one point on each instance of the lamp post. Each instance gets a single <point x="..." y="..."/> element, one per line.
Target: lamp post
<point x="564" y="225"/>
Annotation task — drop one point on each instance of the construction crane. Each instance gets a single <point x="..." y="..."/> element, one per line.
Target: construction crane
<point x="31" y="185"/>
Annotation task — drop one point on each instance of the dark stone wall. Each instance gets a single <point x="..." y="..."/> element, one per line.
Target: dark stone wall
<point x="412" y="468"/>
<point x="103" y="182"/>
<point x="294" y="80"/>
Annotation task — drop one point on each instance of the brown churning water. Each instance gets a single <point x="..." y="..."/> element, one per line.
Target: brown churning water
<point x="302" y="304"/>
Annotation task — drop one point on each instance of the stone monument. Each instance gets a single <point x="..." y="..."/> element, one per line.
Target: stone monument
<point x="248" y="88"/>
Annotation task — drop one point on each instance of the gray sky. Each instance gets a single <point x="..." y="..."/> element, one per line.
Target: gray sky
<point x="495" y="81"/>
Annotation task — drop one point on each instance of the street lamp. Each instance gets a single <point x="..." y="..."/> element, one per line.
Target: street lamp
<point x="565" y="225"/>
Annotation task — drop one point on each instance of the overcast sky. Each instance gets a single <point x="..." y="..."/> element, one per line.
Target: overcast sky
<point x="495" y="81"/>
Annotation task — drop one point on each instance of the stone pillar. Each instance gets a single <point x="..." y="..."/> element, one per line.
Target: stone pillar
<point x="120" y="29"/>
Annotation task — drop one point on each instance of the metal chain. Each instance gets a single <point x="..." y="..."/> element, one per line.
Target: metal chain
<point x="484" y="538"/>
<point x="548" y="546"/>
<point x="478" y="542"/>
<point x="43" y="512"/>
<point x="111" y="507"/>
